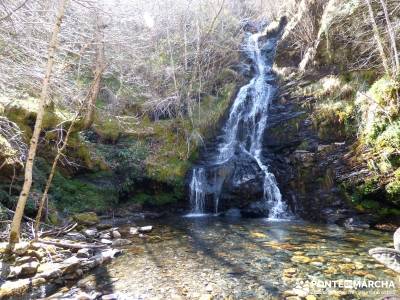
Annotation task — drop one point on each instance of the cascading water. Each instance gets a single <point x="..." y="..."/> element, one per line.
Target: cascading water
<point x="243" y="132"/>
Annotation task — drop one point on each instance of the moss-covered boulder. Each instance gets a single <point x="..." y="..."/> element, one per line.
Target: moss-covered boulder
<point x="86" y="218"/>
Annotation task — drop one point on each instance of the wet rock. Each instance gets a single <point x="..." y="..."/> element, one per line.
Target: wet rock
<point x="233" y="212"/>
<point x="355" y="223"/>
<point x="145" y="229"/>
<point x="121" y="242"/>
<point x="389" y="257"/>
<point x="84" y="253"/>
<point x="300" y="259"/>
<point x="87" y="218"/>
<point x="115" y="234"/>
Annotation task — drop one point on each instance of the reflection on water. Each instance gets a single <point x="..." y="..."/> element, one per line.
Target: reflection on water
<point x="246" y="259"/>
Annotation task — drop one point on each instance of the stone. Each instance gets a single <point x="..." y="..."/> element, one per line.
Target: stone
<point x="27" y="269"/>
<point x="25" y="259"/>
<point x="206" y="297"/>
<point x="15" y="272"/>
<point x="90" y="233"/>
<point x="20" y="248"/>
<point x="83" y="296"/>
<point x="84" y="253"/>
<point x="388" y="257"/>
<point x="75" y="236"/>
<point x="121" y="242"/>
<point x="109" y="297"/>
<point x="311" y="297"/>
<point x="4" y="269"/>
<point x="115" y="234"/>
<point x="106" y="241"/>
<point x="133" y="230"/>
<point x="3" y="247"/>
<point x="70" y="265"/>
<point x="209" y="288"/>
<point x="316" y="263"/>
<point x="105" y="235"/>
<point x="52" y="271"/>
<point x="300" y="259"/>
<point x="39" y="254"/>
<point x="145" y="229"/>
<point x="87" y="218"/>
<point x="111" y="253"/>
<point x="258" y="235"/>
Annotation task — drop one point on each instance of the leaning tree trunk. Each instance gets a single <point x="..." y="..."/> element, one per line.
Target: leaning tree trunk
<point x="98" y="72"/>
<point x="392" y="36"/>
<point x="23" y="197"/>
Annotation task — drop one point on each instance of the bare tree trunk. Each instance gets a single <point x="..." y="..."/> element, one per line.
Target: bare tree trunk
<point x="392" y="36"/>
<point x="98" y="72"/>
<point x="51" y="175"/>
<point x="378" y="38"/>
<point x="23" y="197"/>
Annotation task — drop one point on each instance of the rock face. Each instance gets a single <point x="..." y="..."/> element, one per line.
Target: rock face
<point x="306" y="167"/>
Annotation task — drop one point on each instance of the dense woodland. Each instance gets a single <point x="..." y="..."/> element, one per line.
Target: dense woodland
<point x="106" y="105"/>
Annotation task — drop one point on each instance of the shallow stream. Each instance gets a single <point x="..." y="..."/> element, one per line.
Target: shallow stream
<point x="190" y="258"/>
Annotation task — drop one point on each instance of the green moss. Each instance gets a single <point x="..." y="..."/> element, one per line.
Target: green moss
<point x="108" y="129"/>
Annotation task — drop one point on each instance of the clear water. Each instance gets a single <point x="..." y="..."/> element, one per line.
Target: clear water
<point x="243" y="131"/>
<point x="245" y="259"/>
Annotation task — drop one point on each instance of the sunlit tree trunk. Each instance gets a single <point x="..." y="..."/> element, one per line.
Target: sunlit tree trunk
<point x="23" y="197"/>
<point x="377" y="37"/>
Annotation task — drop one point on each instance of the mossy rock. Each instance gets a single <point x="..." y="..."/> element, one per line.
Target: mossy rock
<point x="86" y="218"/>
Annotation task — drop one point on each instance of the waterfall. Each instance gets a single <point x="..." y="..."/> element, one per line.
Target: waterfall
<point x="243" y="132"/>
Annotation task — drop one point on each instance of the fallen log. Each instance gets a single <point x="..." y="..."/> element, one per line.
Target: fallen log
<point x="71" y="245"/>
